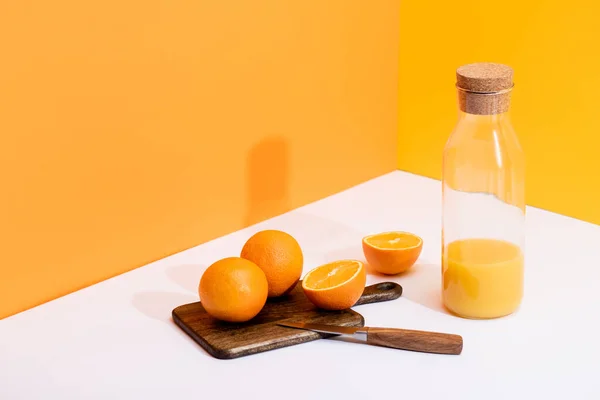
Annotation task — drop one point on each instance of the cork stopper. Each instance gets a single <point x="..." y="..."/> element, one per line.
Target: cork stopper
<point x="484" y="88"/>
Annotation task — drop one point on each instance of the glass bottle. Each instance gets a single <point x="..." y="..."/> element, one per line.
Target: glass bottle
<point x="483" y="227"/>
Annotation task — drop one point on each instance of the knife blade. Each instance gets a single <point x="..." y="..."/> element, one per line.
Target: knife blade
<point x="329" y="329"/>
<point x="404" y="339"/>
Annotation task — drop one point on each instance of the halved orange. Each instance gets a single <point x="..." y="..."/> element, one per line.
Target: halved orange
<point x="335" y="286"/>
<point x="392" y="252"/>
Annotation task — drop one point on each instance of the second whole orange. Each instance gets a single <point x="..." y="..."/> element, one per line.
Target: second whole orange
<point x="279" y="255"/>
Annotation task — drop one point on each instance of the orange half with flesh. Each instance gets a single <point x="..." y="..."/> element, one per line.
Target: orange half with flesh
<point x="392" y="252"/>
<point x="335" y="286"/>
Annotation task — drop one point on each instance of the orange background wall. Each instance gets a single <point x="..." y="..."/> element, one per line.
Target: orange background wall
<point x="552" y="46"/>
<point x="134" y="129"/>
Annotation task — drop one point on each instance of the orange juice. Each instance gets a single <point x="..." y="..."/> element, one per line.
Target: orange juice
<point x="482" y="278"/>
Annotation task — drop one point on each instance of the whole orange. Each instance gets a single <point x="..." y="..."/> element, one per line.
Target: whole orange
<point x="233" y="289"/>
<point x="279" y="255"/>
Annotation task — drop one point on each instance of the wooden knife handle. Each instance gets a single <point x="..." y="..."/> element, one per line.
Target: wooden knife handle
<point x="405" y="339"/>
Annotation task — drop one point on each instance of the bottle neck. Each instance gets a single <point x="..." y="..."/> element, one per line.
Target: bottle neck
<point x="488" y="119"/>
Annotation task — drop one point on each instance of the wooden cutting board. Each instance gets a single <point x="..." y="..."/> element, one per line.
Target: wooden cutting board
<point x="232" y="340"/>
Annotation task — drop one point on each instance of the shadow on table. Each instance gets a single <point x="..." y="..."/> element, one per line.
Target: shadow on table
<point x="186" y="275"/>
<point x="352" y="252"/>
<point x="422" y="284"/>
<point x="158" y="305"/>
<point x="314" y="232"/>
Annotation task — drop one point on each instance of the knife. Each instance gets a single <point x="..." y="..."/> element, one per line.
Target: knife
<point x="404" y="339"/>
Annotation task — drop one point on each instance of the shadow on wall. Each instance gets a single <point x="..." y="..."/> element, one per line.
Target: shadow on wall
<point x="267" y="173"/>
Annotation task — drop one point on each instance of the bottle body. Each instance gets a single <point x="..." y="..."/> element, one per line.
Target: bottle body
<point x="483" y="233"/>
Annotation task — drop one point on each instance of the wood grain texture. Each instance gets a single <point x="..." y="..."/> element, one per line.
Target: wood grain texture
<point x="225" y="340"/>
<point x="405" y="339"/>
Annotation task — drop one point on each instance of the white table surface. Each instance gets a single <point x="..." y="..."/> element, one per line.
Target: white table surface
<point x="116" y="339"/>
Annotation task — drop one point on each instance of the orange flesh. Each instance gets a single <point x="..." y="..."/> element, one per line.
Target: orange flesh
<point x="331" y="275"/>
<point x="393" y="241"/>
